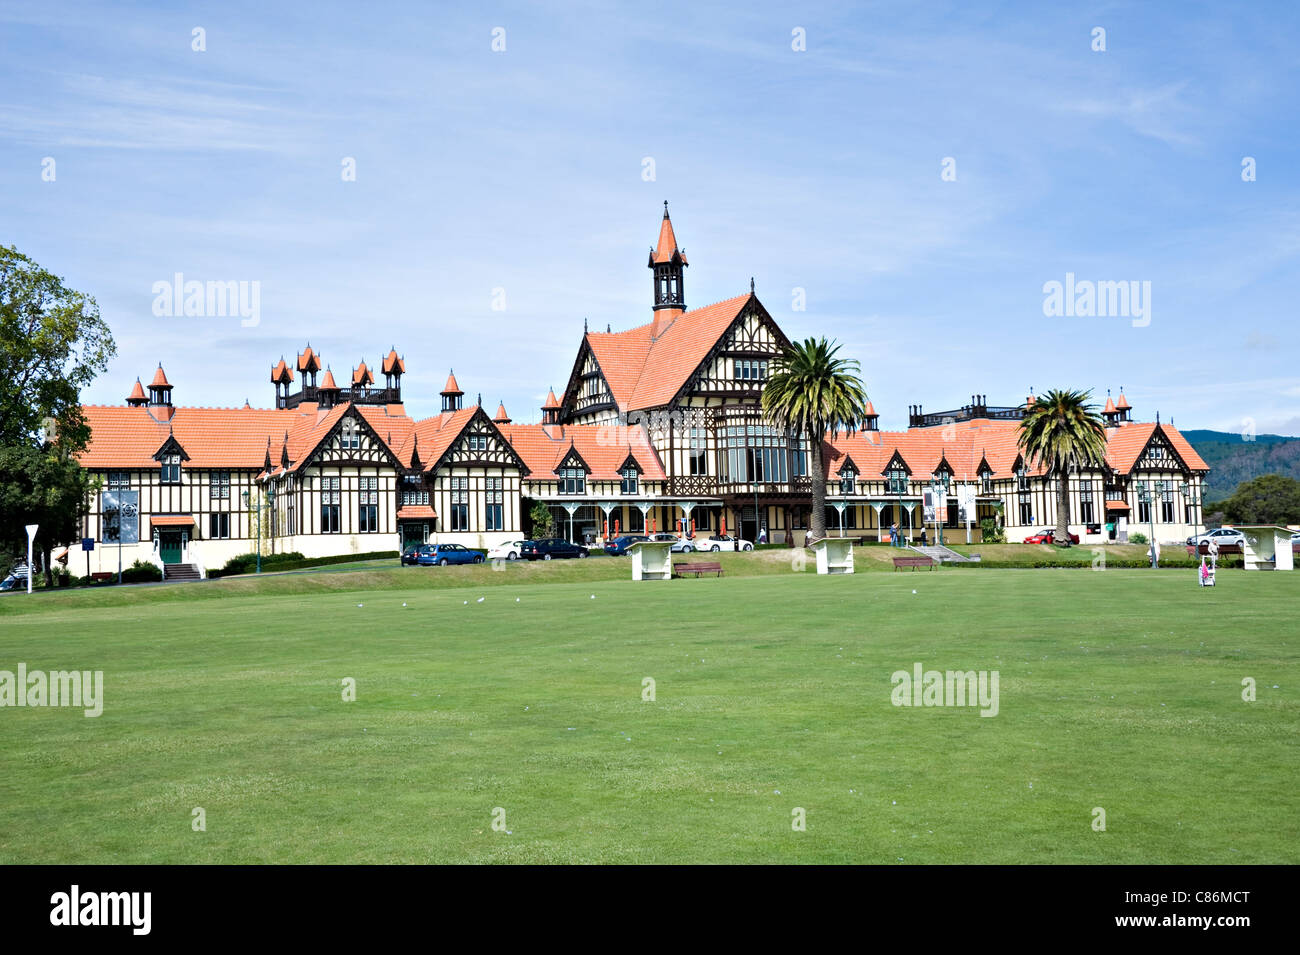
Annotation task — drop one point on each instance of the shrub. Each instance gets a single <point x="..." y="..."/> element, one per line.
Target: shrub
<point x="991" y="533"/>
<point x="1138" y="538"/>
<point x="141" y="572"/>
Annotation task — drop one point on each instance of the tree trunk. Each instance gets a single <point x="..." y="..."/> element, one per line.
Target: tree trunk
<point x="817" y="467"/>
<point x="1063" y="508"/>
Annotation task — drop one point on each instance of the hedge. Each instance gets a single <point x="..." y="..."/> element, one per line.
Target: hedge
<point x="292" y="560"/>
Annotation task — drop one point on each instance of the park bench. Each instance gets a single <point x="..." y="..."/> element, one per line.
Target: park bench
<point x="913" y="562"/>
<point x="681" y="570"/>
<point x="103" y="575"/>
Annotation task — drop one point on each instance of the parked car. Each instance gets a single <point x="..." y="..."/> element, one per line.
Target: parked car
<point x="444" y="554"/>
<point x="722" y="542"/>
<point x="411" y="555"/>
<point x="13" y="582"/>
<point x="619" y="545"/>
<point x="550" y="548"/>
<point x="681" y="545"/>
<point x="1221" y="535"/>
<point x="510" y="550"/>
<point x="1048" y="536"/>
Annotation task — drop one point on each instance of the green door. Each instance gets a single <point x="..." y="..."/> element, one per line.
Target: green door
<point x="169" y="546"/>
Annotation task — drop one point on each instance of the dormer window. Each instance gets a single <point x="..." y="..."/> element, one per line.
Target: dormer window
<point x="986" y="482"/>
<point x="896" y="479"/>
<point x="848" y="481"/>
<point x="572" y="481"/>
<point x="942" y="478"/>
<point x="171" y="469"/>
<point x="628" y="480"/>
<point x="1022" y="479"/>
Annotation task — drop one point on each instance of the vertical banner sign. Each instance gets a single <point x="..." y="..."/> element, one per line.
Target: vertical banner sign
<point x="966" y="503"/>
<point x="929" y="501"/>
<point x="121" y="517"/>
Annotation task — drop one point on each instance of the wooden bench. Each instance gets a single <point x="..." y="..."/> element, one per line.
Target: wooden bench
<point x="681" y="570"/>
<point x="103" y="575"/>
<point x="913" y="562"/>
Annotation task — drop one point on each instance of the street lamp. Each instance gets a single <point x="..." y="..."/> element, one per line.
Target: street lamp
<point x="1193" y="504"/>
<point x="270" y="500"/>
<point x="1147" y="495"/>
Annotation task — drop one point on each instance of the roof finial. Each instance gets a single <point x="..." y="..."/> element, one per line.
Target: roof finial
<point x="665" y="208"/>
<point x="751" y="285"/>
<point x="479" y="402"/>
<point x="584" y="324"/>
<point x="607" y="328"/>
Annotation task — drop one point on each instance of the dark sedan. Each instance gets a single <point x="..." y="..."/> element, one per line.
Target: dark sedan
<point x="550" y="548"/>
<point x="619" y="545"/>
<point x="411" y="555"/>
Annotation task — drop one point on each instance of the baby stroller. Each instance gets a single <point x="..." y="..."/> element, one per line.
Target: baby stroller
<point x="1206" y="574"/>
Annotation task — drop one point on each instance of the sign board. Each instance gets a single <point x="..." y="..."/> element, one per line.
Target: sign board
<point x="121" y="517"/>
<point x="88" y="543"/>
<point x="966" y="503"/>
<point x="933" y="500"/>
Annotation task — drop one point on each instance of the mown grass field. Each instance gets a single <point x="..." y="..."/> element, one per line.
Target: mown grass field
<point x="1119" y="690"/>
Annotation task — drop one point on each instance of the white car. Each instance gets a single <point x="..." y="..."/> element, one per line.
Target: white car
<point x="681" y="545"/>
<point x="722" y="542"/>
<point x="1222" y="536"/>
<point x="507" y="551"/>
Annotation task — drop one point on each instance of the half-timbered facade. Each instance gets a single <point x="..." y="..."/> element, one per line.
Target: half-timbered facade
<point x="659" y="427"/>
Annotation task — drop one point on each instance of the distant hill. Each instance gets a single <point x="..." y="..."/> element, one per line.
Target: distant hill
<point x="1233" y="459"/>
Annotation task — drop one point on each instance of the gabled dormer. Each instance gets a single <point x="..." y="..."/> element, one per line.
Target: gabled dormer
<point x="848" y="474"/>
<point x="572" y="473"/>
<point x="169" y="457"/>
<point x="896" y="474"/>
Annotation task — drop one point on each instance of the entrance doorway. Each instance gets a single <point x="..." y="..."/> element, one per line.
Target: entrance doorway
<point x="169" y="546"/>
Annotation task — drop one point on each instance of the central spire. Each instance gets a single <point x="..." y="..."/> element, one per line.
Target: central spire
<point x="668" y="263"/>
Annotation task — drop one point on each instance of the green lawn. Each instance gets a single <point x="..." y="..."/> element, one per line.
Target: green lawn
<point x="1119" y="689"/>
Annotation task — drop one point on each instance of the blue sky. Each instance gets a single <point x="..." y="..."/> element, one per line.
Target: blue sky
<point x="817" y="169"/>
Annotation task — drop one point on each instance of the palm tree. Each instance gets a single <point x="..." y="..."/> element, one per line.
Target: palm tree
<point x="810" y="393"/>
<point x="1062" y="432"/>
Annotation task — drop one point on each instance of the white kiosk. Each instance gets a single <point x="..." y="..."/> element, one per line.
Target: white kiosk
<point x="1267" y="547"/>
<point x="652" y="560"/>
<point x="834" y="555"/>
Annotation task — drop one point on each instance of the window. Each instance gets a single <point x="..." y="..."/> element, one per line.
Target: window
<point x="478" y="442"/>
<point x="1167" y="503"/>
<point x="1144" y="504"/>
<point x="349" y="435"/>
<point x="986" y="482"/>
<point x="752" y="453"/>
<point x="751" y="370"/>
<point x="330" y="498"/>
<point x="218" y="526"/>
<point x="495" y="515"/>
<point x="219" y="485"/>
<point x="942" y="478"/>
<point x="698" y="447"/>
<point x="799" y="458"/>
<point x="1085" y="502"/>
<point x="171" y="469"/>
<point x="368" y="505"/>
<point x="573" y="481"/>
<point x="460" y="504"/>
<point x="119" y="480"/>
<point x="896" y="479"/>
<point x="1022" y="479"/>
<point x="848" y="479"/>
<point x="628" y="482"/>
<point x="635" y="521"/>
<point x="1026" y="511"/>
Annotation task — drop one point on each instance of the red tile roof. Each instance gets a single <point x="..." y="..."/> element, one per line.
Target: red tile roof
<point x="604" y="448"/>
<point x="137" y="393"/>
<point x="551" y="400"/>
<point x="281" y="373"/>
<point x="308" y="360"/>
<point x="160" y="379"/>
<point x="501" y="416"/>
<point x="361" y="375"/>
<point x="171" y="520"/>
<point x="451" y="387"/>
<point x="327" y="383"/>
<point x="416" y="512"/>
<point x="667" y="245"/>
<point x="394" y="365"/>
<point x="1122" y="404"/>
<point x="643" y="372"/>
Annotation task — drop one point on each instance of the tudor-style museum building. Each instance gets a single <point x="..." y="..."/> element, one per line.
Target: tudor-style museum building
<point x="659" y="427"/>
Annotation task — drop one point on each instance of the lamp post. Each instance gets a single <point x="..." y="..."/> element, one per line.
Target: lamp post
<point x="1147" y="495"/>
<point x="1193" y="504"/>
<point x="270" y="500"/>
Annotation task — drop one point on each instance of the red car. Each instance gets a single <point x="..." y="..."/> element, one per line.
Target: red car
<point x="1048" y="536"/>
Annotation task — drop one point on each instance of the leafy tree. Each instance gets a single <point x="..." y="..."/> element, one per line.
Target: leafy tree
<point x="1062" y="432"/>
<point x="542" y="521"/>
<point x="810" y="393"/>
<point x="1268" y="499"/>
<point x="52" y="344"/>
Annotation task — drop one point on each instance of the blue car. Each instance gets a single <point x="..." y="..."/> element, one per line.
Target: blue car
<point x="444" y="554"/>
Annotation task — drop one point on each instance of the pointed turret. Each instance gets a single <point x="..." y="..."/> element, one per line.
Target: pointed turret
<point x="451" y="393"/>
<point x="668" y="263"/>
<point x="160" y="389"/>
<point x="501" y="416"/>
<point x="551" y="410"/>
<point x="137" y="396"/>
